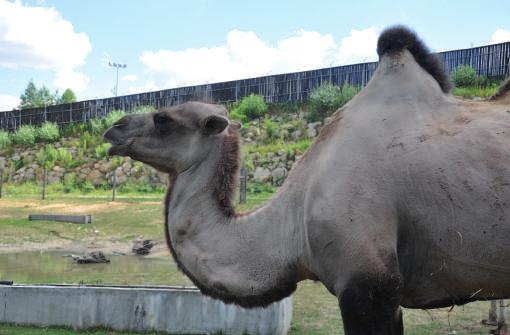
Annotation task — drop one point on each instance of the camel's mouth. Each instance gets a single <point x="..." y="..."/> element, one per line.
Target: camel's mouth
<point x="119" y="147"/>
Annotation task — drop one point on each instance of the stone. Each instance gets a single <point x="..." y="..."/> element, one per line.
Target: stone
<point x="104" y="167"/>
<point x="311" y="132"/>
<point x="279" y="174"/>
<point x="297" y="134"/>
<point x="3" y="161"/>
<point x="95" y="177"/>
<point x="261" y="174"/>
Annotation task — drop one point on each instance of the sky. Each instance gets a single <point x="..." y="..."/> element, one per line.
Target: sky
<point x="69" y="44"/>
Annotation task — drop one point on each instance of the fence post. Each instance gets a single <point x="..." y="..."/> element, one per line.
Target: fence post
<point x="1" y="181"/>
<point x="243" y="185"/>
<point x="114" y="184"/>
<point x="44" y="183"/>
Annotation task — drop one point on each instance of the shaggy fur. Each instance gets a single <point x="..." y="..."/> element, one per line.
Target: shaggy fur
<point x="227" y="174"/>
<point x="503" y="89"/>
<point x="397" y="38"/>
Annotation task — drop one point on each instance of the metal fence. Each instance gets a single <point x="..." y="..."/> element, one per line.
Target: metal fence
<point x="492" y="61"/>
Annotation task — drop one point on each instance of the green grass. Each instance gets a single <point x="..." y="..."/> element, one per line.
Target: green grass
<point x="315" y="309"/>
<point x="471" y="92"/>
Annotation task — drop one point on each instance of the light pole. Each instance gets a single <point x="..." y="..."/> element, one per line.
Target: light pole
<point x="117" y="66"/>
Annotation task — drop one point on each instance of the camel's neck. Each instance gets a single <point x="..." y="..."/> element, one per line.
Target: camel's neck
<point x="250" y="259"/>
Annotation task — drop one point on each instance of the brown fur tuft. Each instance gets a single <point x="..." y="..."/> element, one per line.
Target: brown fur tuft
<point x="399" y="37"/>
<point x="503" y="89"/>
<point x="227" y="173"/>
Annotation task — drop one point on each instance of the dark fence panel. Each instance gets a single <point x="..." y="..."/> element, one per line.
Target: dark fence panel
<point x="490" y="61"/>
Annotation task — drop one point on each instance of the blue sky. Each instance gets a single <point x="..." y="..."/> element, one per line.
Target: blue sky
<point x="175" y="43"/>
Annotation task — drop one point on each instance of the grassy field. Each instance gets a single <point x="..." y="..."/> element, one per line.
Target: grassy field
<point x="315" y="310"/>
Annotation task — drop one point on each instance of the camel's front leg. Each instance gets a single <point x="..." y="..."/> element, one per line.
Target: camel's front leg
<point x="370" y="309"/>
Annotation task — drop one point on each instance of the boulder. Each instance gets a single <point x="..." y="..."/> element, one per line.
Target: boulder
<point x="279" y="174"/>
<point x="261" y="174"/>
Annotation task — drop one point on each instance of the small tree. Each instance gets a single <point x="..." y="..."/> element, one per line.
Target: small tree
<point x="250" y="108"/>
<point x="68" y="96"/>
<point x="37" y="97"/>
<point x="326" y="99"/>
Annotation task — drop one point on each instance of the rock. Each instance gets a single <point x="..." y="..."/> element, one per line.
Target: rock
<point x="104" y="167"/>
<point x="95" y="177"/>
<point x="279" y="174"/>
<point x="311" y="132"/>
<point x="2" y="162"/>
<point x="297" y="134"/>
<point x="85" y="171"/>
<point x="142" y="247"/>
<point x="327" y="120"/>
<point x="261" y="174"/>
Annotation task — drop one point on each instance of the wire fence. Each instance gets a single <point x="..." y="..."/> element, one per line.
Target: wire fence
<point x="491" y="61"/>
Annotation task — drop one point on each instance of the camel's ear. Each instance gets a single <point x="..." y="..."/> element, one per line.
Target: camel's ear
<point x="214" y="124"/>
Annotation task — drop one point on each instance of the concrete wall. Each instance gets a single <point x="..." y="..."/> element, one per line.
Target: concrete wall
<point x="166" y="309"/>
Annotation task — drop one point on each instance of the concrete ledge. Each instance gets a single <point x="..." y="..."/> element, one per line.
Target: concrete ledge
<point x="167" y="309"/>
<point x="61" y="218"/>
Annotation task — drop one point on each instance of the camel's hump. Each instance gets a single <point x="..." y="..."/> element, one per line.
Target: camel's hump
<point x="397" y="38"/>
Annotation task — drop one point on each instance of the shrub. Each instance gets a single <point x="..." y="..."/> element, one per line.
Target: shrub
<point x="327" y="98"/>
<point x="464" y="75"/>
<point x="96" y="126"/>
<point x="113" y="117"/>
<point x="48" y="132"/>
<point x="64" y="158"/>
<point x="24" y="135"/>
<point x="85" y="141"/>
<point x="46" y="157"/>
<point x="5" y="140"/>
<point x="250" y="108"/>
<point x="271" y="130"/>
<point x="86" y="187"/>
<point x="102" y="150"/>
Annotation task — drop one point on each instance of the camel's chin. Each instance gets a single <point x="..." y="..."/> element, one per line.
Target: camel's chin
<point x="117" y="150"/>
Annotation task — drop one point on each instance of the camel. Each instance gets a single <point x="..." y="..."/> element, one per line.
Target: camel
<point x="403" y="199"/>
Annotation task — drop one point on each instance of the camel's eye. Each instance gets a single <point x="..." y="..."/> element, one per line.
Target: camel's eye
<point x="162" y="121"/>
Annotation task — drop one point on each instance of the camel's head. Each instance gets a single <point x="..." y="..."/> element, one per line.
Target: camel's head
<point x="172" y="139"/>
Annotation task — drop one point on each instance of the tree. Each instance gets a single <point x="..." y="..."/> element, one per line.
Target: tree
<point x="68" y="96"/>
<point x="37" y="97"/>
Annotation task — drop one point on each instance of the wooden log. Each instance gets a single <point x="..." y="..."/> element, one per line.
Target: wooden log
<point x="61" y="218"/>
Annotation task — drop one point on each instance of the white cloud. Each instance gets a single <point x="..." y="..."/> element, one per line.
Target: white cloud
<point x="129" y="77"/>
<point x="8" y="102"/>
<point x="500" y="36"/>
<point x="246" y="55"/>
<point x="39" y="38"/>
<point x="359" y="47"/>
<point x="68" y="78"/>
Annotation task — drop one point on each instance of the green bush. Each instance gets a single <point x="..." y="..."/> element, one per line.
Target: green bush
<point x="113" y="117"/>
<point x="250" y="108"/>
<point x="24" y="135"/>
<point x="271" y="129"/>
<point x="326" y="99"/>
<point x="86" y="187"/>
<point x="48" y="132"/>
<point x="5" y="140"/>
<point x="463" y="76"/>
<point x="102" y="150"/>
<point x="64" y="158"/>
<point x="96" y="126"/>
<point x="46" y="157"/>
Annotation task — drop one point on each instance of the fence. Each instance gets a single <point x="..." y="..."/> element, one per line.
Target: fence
<point x="490" y="61"/>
